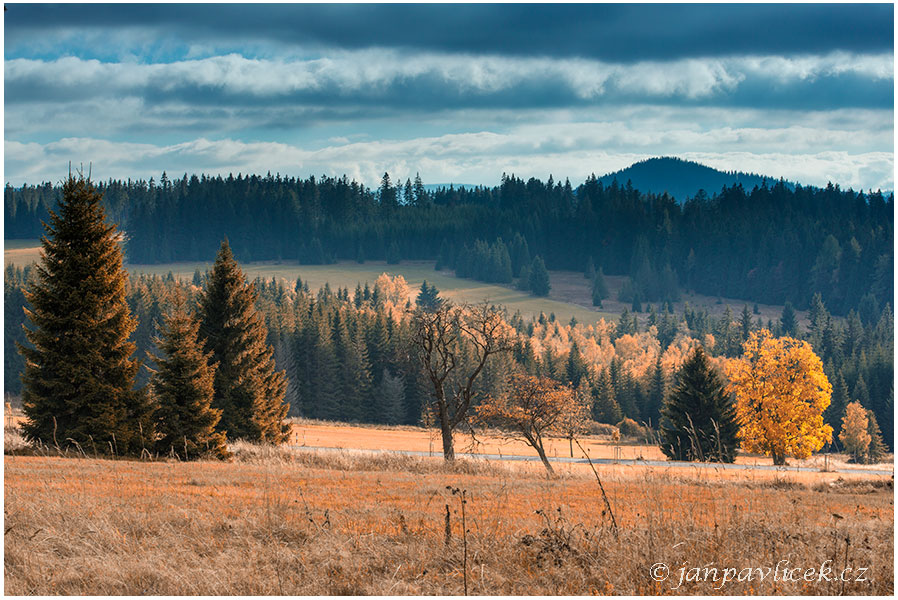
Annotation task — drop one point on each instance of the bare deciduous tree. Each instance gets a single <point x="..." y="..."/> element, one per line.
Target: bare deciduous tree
<point x="440" y="335"/>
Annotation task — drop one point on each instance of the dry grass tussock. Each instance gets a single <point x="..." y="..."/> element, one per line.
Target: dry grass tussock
<point x="358" y="460"/>
<point x="841" y="461"/>
<point x="297" y="522"/>
<point x="306" y="422"/>
<point x="14" y="442"/>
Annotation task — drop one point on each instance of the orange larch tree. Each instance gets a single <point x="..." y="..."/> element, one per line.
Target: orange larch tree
<point x="855" y="435"/>
<point x="576" y="421"/>
<point x="532" y="407"/>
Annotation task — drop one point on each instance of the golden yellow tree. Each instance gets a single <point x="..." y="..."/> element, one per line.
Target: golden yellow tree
<point x="781" y="393"/>
<point x="854" y="432"/>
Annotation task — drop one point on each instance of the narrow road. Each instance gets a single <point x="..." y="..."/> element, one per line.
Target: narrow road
<point x="623" y="461"/>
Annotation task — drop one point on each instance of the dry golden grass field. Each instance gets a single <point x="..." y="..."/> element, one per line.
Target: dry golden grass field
<point x="300" y="521"/>
<point x="318" y="434"/>
<point x="313" y="434"/>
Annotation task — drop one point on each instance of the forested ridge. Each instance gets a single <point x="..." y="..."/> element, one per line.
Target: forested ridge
<point x="770" y="244"/>
<point x="681" y="178"/>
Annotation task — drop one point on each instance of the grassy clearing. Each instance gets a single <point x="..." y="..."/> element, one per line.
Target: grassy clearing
<point x="322" y="434"/>
<point x="419" y="439"/>
<point x="571" y="294"/>
<point x="21" y="252"/>
<point x="349" y="274"/>
<point x="281" y="521"/>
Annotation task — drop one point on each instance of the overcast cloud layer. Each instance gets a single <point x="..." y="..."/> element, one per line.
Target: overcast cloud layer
<point x="457" y="93"/>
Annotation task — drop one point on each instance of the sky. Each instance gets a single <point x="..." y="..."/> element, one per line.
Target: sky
<point x="455" y="93"/>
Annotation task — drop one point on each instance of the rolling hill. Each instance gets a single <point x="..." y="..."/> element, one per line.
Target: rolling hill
<point x="682" y="179"/>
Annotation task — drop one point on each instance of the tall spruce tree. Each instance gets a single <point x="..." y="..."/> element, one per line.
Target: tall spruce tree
<point x="590" y="272"/>
<point x="599" y="288"/>
<point x="861" y="393"/>
<point x="651" y="413"/>
<point x="248" y="390"/>
<point x="698" y="421"/>
<point x="539" y="278"/>
<point x="837" y="405"/>
<point x="182" y="386"/>
<point x="79" y="372"/>
<point x="788" y="321"/>
<point x="285" y="359"/>
<point x="393" y="254"/>
<point x="745" y="324"/>
<point x="520" y="255"/>
<point x="354" y="376"/>
<point x="626" y="391"/>
<point x="323" y="371"/>
<point x="390" y="399"/>
<point x="428" y="297"/>
<point x="576" y="368"/>
<point x="605" y="408"/>
<point x="877" y="448"/>
<point x="14" y="286"/>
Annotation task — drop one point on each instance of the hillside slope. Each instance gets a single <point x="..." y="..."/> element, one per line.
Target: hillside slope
<point x="682" y="179"/>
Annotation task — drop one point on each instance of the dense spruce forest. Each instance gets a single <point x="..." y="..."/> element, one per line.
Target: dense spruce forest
<point x="771" y="244"/>
<point x="347" y="355"/>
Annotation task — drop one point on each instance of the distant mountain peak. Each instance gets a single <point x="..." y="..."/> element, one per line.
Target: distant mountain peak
<point x="682" y="179"/>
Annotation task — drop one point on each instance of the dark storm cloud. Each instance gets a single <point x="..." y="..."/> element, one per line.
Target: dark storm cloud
<point x="618" y="33"/>
<point x="847" y="90"/>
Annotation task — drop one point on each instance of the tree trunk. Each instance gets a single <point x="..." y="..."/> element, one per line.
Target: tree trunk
<point x="546" y="463"/>
<point x="570" y="442"/>
<point x="446" y="431"/>
<point x="537" y="443"/>
<point x="779" y="459"/>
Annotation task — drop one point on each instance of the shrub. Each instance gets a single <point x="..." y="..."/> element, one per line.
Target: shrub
<point x="630" y="428"/>
<point x="603" y="429"/>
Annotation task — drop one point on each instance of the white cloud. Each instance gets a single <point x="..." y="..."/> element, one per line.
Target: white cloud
<point x="91" y="107"/>
<point x="480" y="157"/>
<point x="175" y="108"/>
<point x="811" y="66"/>
<point x="370" y="71"/>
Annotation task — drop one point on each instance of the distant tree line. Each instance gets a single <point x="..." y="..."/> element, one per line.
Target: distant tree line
<point x="770" y="244"/>
<point x="496" y="263"/>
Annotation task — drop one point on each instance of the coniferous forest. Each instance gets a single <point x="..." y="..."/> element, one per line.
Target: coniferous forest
<point x="345" y="353"/>
<point x="773" y="244"/>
